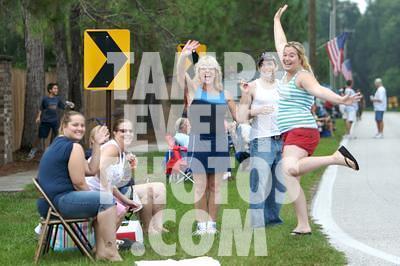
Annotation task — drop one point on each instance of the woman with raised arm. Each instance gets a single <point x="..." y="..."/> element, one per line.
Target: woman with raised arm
<point x="259" y="101"/>
<point x="116" y="172"/>
<point x="297" y="90"/>
<point x="208" y="143"/>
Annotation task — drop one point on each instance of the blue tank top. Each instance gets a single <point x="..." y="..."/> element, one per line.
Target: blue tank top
<point x="207" y="113"/>
<point x="53" y="169"/>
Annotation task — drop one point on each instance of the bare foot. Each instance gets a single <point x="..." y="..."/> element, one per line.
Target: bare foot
<point x="116" y="257"/>
<point x="341" y="160"/>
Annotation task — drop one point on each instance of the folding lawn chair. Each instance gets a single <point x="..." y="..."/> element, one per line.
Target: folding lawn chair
<point x="176" y="168"/>
<point x="53" y="220"/>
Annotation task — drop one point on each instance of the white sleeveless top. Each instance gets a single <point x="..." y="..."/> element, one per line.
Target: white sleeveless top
<point x="265" y="125"/>
<point x="118" y="174"/>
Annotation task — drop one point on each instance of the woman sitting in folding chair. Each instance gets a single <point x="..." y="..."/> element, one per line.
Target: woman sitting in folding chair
<point x="115" y="173"/>
<point x="61" y="174"/>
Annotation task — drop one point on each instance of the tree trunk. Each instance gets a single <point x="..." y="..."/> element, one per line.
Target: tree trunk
<point x="312" y="32"/>
<point x="35" y="78"/>
<point x="76" y="92"/>
<point x="60" y="50"/>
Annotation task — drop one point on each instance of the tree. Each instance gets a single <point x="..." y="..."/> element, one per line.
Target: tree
<point x="35" y="77"/>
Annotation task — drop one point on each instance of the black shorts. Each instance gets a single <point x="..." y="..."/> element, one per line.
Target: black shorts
<point x="45" y="127"/>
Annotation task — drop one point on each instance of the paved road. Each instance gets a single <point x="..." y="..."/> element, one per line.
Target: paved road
<point x="360" y="211"/>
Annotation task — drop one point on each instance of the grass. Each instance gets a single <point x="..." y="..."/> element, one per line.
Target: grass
<point x="18" y="217"/>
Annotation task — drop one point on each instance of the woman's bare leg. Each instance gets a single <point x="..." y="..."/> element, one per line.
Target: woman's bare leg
<point x="145" y="193"/>
<point x="104" y="225"/>
<point x="290" y="158"/>
<point x="159" y="202"/>
<point x="214" y="198"/>
<point x="200" y="198"/>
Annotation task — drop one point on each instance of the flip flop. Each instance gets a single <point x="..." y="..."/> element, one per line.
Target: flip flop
<point x="347" y="156"/>
<point x="125" y="245"/>
<point x="295" y="233"/>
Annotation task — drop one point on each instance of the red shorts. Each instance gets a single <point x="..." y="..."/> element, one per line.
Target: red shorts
<point x="305" y="138"/>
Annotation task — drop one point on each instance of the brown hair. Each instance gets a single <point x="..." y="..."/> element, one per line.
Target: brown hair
<point x="118" y="122"/>
<point x="66" y="119"/>
<point x="301" y="52"/>
<point x="266" y="56"/>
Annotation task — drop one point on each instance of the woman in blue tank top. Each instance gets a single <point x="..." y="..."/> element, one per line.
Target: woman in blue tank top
<point x="300" y="135"/>
<point x="208" y="153"/>
<point x="61" y="174"/>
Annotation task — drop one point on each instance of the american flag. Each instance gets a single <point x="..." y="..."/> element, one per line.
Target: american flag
<point x="346" y="70"/>
<point x="335" y="50"/>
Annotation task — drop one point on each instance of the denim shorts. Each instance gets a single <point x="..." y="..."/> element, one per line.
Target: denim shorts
<point x="379" y="115"/>
<point x="83" y="204"/>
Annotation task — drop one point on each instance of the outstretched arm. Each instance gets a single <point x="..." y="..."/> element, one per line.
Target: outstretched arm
<point x="308" y="82"/>
<point x="279" y="33"/>
<point x="187" y="50"/>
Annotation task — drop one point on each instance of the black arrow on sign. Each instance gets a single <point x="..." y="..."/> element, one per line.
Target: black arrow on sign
<point x="106" y="45"/>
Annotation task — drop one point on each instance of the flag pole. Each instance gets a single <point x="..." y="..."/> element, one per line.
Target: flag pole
<point x="332" y="34"/>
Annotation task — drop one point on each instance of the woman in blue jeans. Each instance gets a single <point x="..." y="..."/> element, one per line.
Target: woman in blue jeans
<point x="61" y="174"/>
<point x="259" y="102"/>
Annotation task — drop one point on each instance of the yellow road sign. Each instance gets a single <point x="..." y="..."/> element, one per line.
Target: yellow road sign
<point x="106" y="61"/>
<point x="200" y="51"/>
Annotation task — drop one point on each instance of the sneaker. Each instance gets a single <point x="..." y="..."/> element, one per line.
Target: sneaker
<point x="212" y="228"/>
<point x="38" y="229"/>
<point x="31" y="154"/>
<point x="378" y="136"/>
<point x="200" y="232"/>
<point x="201" y="229"/>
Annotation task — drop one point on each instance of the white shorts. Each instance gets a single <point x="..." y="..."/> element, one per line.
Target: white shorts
<point x="351" y="116"/>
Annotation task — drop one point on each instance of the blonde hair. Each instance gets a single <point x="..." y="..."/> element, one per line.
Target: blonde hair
<point x="179" y="123"/>
<point x="301" y="52"/>
<point x="209" y="61"/>
<point x="92" y="134"/>
<point x="66" y="119"/>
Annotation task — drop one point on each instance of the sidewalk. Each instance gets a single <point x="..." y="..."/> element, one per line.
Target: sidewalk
<point x="360" y="210"/>
<point x="16" y="182"/>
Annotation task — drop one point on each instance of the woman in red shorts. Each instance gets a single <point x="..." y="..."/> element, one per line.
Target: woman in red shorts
<point x="297" y="90"/>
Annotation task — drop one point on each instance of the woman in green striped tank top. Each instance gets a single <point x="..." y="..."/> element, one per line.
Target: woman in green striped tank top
<point x="297" y="90"/>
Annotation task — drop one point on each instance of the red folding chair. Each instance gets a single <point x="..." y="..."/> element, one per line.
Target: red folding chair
<point x="176" y="169"/>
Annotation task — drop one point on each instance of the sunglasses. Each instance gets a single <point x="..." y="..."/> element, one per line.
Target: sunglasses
<point x="123" y="130"/>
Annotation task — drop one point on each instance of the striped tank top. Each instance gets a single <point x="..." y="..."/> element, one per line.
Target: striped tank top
<point x="294" y="106"/>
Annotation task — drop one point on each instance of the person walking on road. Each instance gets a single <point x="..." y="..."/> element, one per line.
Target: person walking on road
<point x="351" y="110"/>
<point x="297" y="90"/>
<point x="379" y="101"/>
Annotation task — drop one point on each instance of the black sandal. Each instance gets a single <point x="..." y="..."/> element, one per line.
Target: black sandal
<point x="295" y="233"/>
<point x="347" y="156"/>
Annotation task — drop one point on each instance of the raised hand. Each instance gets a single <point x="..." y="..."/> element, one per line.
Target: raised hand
<point x="102" y="135"/>
<point x="133" y="161"/>
<point x="348" y="100"/>
<point x="244" y="87"/>
<point x="190" y="46"/>
<point x="279" y="13"/>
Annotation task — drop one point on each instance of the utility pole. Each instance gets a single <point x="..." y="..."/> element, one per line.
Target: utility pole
<point x="312" y="33"/>
<point x="332" y="34"/>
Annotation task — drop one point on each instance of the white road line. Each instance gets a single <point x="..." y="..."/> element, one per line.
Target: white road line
<point x="322" y="213"/>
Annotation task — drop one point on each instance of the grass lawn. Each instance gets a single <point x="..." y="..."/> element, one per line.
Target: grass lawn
<point x="18" y="217"/>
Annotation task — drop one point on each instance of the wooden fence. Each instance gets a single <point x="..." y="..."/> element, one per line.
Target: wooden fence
<point x="94" y="102"/>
